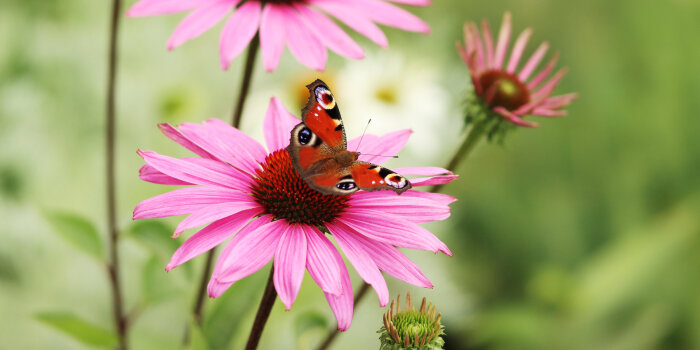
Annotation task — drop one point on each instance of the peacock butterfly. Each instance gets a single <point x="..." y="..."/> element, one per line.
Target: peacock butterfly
<point x="318" y="149"/>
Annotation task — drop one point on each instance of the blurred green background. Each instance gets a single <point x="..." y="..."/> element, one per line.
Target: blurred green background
<point x="582" y="234"/>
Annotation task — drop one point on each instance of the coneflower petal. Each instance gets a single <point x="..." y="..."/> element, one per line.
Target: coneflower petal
<point x="330" y="34"/>
<point x="518" y="50"/>
<point x="290" y="264"/>
<point x="209" y="237"/>
<point x="185" y="201"/>
<point x="239" y="31"/>
<point x="360" y="259"/>
<point x="379" y="149"/>
<point x="277" y="124"/>
<point x="321" y="261"/>
<point x="199" y="21"/>
<point x="503" y="41"/>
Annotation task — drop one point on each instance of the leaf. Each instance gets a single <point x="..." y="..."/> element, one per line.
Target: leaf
<point x="78" y="231"/>
<point x="310" y="320"/>
<point x="155" y="282"/>
<point x="155" y="235"/>
<point x="225" y="314"/>
<point x="79" y="329"/>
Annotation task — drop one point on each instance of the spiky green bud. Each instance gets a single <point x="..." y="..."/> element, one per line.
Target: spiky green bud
<point x="411" y="329"/>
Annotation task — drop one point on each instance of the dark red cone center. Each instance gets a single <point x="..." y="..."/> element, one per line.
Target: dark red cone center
<point x="500" y="88"/>
<point x="285" y="195"/>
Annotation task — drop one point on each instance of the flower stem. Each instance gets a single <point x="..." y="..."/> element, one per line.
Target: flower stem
<point x="266" y="303"/>
<point x="198" y="310"/>
<point x="476" y="133"/>
<point x="113" y="259"/>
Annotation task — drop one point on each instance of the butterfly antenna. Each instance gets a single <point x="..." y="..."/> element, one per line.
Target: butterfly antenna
<point x="379" y="155"/>
<point x="363" y="134"/>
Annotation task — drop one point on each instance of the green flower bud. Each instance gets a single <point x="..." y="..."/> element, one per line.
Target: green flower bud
<point x="411" y="329"/>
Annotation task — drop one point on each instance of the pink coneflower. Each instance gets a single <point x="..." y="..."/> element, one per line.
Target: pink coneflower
<point x="507" y="91"/>
<point x="256" y="198"/>
<point x="301" y="24"/>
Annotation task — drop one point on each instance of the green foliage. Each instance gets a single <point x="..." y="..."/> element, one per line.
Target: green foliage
<point x="8" y="271"/>
<point x="197" y="340"/>
<point x="78" y="231"/>
<point x="79" y="329"/>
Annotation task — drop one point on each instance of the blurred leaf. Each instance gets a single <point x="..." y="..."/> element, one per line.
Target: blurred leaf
<point x="197" y="339"/>
<point x="309" y="320"/>
<point x="156" y="236"/>
<point x="8" y="271"/>
<point x="78" y="231"/>
<point x="224" y="314"/>
<point x="11" y="183"/>
<point x="309" y="327"/>
<point x="79" y="329"/>
<point x="155" y="281"/>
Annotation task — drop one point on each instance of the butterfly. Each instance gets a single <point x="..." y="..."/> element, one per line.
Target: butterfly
<point x="318" y="149"/>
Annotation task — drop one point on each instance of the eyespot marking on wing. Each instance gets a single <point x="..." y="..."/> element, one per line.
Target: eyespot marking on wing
<point x="324" y="97"/>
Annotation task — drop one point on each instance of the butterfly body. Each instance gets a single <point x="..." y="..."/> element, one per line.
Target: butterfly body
<point x="318" y="148"/>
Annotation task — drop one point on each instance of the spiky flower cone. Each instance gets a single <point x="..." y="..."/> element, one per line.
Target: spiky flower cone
<point x="411" y="329"/>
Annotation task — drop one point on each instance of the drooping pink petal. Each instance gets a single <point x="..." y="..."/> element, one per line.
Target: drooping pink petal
<point x="423" y="170"/>
<point x="378" y="150"/>
<point x="488" y="42"/>
<point x="239" y="31"/>
<point x="186" y="201"/>
<point x="210" y="236"/>
<point x="162" y="7"/>
<point x="533" y="62"/>
<point x="240" y="258"/>
<point x="186" y="171"/>
<point x="226" y="143"/>
<point x="215" y="212"/>
<point x="240" y="180"/>
<point x="413" y="2"/>
<point x="342" y="305"/>
<point x="391" y="261"/>
<point x="329" y="33"/>
<point x="435" y="180"/>
<point x="321" y="261"/>
<point x="544" y="112"/>
<point x="383" y="196"/>
<point x="176" y="135"/>
<point x="277" y="125"/>
<point x="272" y="35"/>
<point x="542" y="75"/>
<point x="290" y="264"/>
<point x="354" y="19"/>
<point x="151" y="174"/>
<point x="390" y="15"/>
<point x="547" y="88"/>
<point x="507" y="115"/>
<point x="302" y="41"/>
<point x="249" y="250"/>
<point x="200" y="20"/>
<point x="518" y="50"/>
<point x="392" y="230"/>
<point x="403" y="207"/>
<point x="557" y="102"/>
<point x="361" y="260"/>
<point x="503" y="41"/>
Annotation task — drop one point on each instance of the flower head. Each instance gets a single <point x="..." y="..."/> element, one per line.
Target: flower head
<point x="507" y="88"/>
<point x="303" y="25"/>
<point x="410" y="328"/>
<point x="255" y="198"/>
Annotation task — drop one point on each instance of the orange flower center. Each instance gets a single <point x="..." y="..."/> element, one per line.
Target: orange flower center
<point x="285" y="195"/>
<point x="502" y="89"/>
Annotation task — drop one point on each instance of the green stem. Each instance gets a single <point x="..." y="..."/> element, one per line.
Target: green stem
<point x="113" y="242"/>
<point x="476" y="133"/>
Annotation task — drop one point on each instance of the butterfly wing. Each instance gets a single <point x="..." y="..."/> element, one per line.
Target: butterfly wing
<point x="319" y="136"/>
<point x="371" y="177"/>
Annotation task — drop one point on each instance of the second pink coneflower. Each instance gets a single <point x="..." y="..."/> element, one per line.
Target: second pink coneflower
<point x="303" y="25"/>
<point x="506" y="87"/>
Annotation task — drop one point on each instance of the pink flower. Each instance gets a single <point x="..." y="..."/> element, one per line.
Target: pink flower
<point x="256" y="199"/>
<point x="301" y="24"/>
<point x="508" y="92"/>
